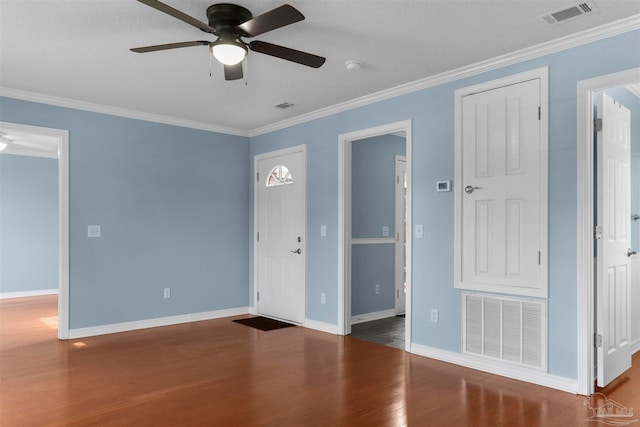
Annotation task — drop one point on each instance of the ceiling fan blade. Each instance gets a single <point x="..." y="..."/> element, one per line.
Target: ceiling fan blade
<point x="289" y="54"/>
<point x="276" y="18"/>
<point x="233" y="72"/>
<point x="168" y="46"/>
<point x="179" y="15"/>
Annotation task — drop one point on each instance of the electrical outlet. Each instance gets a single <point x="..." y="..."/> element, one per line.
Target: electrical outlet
<point x="94" y="231"/>
<point x="167" y="292"/>
<point x="434" y="315"/>
<point x="377" y="289"/>
<point x="385" y="231"/>
<point x="323" y="298"/>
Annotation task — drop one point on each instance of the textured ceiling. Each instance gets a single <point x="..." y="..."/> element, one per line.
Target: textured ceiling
<point x="79" y="50"/>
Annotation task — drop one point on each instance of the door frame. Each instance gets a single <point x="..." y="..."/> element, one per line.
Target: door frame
<point x="585" y="205"/>
<point x="399" y="259"/>
<point x="344" y="221"/>
<point x="289" y="150"/>
<point x="62" y="137"/>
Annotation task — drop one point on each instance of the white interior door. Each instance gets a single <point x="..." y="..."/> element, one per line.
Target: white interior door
<point x="400" y="271"/>
<point x="613" y="286"/>
<point x="280" y="237"/>
<point x="501" y="243"/>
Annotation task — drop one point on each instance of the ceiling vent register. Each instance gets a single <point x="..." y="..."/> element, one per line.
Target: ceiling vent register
<point x="570" y="12"/>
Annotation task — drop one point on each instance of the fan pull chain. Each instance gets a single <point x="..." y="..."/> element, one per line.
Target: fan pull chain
<point x="246" y="70"/>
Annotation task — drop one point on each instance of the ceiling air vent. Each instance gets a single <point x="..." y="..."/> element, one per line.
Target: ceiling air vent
<point x="570" y="12"/>
<point x="284" y="105"/>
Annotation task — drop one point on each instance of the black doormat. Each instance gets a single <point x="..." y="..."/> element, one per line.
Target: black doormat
<point x="263" y="323"/>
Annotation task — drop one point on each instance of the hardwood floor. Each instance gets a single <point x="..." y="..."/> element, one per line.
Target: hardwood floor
<point x="218" y="372"/>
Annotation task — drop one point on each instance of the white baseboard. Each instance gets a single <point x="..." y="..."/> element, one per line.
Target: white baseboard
<point x="7" y="295"/>
<point x="635" y="346"/>
<point x="329" y="328"/>
<point x="376" y="315"/>
<point x="498" y="368"/>
<point x="153" y="323"/>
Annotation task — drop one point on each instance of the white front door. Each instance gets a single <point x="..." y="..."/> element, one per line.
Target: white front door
<point x="501" y="192"/>
<point x="280" y="236"/>
<point x="613" y="290"/>
<point x="400" y="272"/>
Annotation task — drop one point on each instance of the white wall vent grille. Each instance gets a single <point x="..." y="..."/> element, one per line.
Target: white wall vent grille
<point x="505" y="328"/>
<point x="569" y="12"/>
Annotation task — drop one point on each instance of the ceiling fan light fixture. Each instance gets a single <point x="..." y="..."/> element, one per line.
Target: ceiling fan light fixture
<point x="229" y="53"/>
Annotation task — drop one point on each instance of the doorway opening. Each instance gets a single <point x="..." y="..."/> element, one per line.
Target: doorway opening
<point x="374" y="223"/>
<point x="32" y="141"/>
<point x="590" y="201"/>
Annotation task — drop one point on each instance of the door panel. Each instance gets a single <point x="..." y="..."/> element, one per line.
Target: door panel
<point x="281" y="239"/>
<point x="499" y="245"/>
<point x="613" y="285"/>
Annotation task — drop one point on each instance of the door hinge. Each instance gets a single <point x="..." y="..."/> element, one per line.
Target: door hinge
<point x="539" y="113"/>
<point x="258" y="236"/>
<point x="597" y="232"/>
<point x="257" y="176"/>
<point x="597" y="125"/>
<point x="539" y="257"/>
<point x="598" y="340"/>
<point x="398" y="236"/>
<point x="257" y="296"/>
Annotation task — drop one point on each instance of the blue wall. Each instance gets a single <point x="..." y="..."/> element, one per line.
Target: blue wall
<point x="432" y="113"/>
<point x="28" y="223"/>
<point x="372" y="207"/>
<point x="173" y="206"/>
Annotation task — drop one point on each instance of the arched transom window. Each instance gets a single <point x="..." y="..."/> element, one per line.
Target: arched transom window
<point x="279" y="175"/>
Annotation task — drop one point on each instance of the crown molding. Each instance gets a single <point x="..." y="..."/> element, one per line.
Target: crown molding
<point x="115" y="111"/>
<point x="567" y="42"/>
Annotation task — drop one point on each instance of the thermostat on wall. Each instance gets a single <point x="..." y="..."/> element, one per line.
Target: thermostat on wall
<point x="443" y="186"/>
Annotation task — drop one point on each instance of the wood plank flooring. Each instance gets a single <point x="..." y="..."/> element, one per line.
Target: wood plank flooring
<point x="220" y="373"/>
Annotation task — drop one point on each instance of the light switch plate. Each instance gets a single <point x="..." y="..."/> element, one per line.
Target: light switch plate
<point x="94" y="231"/>
<point x="385" y="231"/>
<point x="323" y="230"/>
<point x="419" y="234"/>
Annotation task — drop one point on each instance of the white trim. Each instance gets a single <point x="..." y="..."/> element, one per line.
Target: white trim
<point x="372" y="240"/>
<point x="375" y="315"/>
<point x="321" y="326"/>
<point x="115" y="111"/>
<point x="27" y="294"/>
<point x="584" y="213"/>
<point x="344" y="220"/>
<point x="284" y="151"/>
<point x="154" y="323"/>
<point x="495" y="367"/>
<point x="587" y="36"/>
<point x="541" y="74"/>
<point x="63" y="215"/>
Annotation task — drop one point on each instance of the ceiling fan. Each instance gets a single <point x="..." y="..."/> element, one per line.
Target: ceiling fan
<point x="230" y="23"/>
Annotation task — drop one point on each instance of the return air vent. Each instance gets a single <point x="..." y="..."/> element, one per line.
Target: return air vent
<point x="569" y="12"/>
<point x="509" y="329"/>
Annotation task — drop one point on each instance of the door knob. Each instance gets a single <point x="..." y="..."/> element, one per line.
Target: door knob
<point x="469" y="189"/>
<point x="630" y="252"/>
<point x="297" y="251"/>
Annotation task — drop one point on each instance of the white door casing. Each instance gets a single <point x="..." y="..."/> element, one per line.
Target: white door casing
<point x="401" y="232"/>
<point x="501" y="189"/>
<point x="613" y="285"/>
<point x="280" y="235"/>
